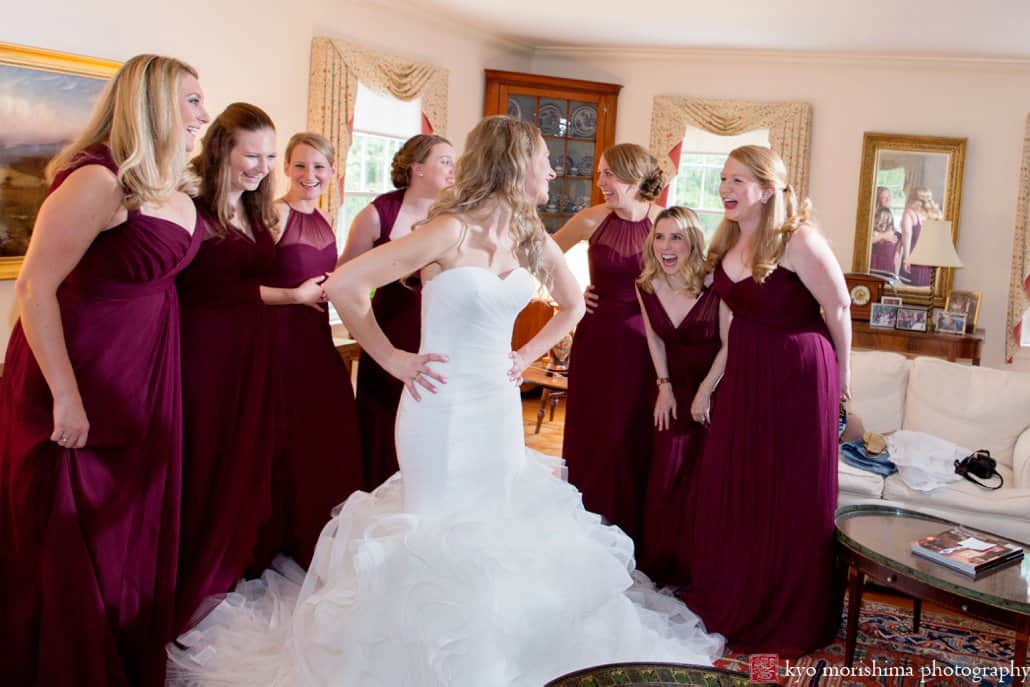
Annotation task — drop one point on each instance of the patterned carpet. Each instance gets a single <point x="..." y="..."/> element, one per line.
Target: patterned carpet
<point x="946" y="651"/>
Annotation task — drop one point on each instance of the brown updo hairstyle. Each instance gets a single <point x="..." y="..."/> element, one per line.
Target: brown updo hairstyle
<point x="634" y="165"/>
<point x="212" y="165"/>
<point x="312" y="140"/>
<point x="415" y="151"/>
<point x="782" y="214"/>
<point x="693" y="270"/>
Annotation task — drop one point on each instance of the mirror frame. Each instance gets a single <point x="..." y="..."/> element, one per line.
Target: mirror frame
<point x="872" y="145"/>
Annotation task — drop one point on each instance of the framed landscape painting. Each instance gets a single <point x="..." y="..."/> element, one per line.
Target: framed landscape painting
<point x="45" y="101"/>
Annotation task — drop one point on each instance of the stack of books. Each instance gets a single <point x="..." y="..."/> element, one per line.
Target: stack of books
<point x="967" y="551"/>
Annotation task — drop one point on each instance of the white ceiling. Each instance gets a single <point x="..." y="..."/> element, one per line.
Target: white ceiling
<point x="973" y="28"/>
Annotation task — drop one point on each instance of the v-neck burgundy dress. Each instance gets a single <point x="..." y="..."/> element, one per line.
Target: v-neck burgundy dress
<point x="608" y="416"/>
<point x="89" y="537"/>
<point x="690" y="348"/>
<point x="320" y="464"/>
<point x="397" y="308"/>
<point x="762" y="570"/>
<point x="233" y="412"/>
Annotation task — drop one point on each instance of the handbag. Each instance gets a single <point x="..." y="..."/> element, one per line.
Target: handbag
<point x="980" y="464"/>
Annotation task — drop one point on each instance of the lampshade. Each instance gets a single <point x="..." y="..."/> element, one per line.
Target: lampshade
<point x="934" y="246"/>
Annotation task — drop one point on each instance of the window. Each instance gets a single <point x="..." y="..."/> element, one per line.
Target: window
<point x="894" y="181"/>
<point x="696" y="185"/>
<point x="381" y="125"/>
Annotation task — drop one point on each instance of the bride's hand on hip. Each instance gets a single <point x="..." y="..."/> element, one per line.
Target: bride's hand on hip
<point x="413" y="369"/>
<point x="518" y="365"/>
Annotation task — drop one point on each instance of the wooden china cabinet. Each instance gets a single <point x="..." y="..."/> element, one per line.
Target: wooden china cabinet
<point x="577" y="119"/>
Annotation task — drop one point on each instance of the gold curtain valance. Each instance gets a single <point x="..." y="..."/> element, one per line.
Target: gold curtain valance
<point x="338" y="66"/>
<point x="789" y="124"/>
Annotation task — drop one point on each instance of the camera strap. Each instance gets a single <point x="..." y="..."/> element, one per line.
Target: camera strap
<point x="1001" y="480"/>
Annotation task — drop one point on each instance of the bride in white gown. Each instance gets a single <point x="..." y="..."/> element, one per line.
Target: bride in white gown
<point x="473" y="566"/>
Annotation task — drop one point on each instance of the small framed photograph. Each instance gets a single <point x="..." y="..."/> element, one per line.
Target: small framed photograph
<point x="911" y="319"/>
<point x="883" y="315"/>
<point x="890" y="300"/>
<point x="965" y="303"/>
<point x="949" y="322"/>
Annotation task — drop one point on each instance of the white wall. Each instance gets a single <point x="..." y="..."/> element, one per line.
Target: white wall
<point x="986" y="102"/>
<point x="258" y="51"/>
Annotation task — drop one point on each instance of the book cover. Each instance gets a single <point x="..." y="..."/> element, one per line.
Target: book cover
<point x="967" y="551"/>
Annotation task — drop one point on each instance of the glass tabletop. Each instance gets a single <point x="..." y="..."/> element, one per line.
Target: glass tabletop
<point x="885" y="535"/>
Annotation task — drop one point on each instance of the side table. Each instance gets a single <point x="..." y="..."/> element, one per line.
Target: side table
<point x="950" y="346"/>
<point x="555" y="384"/>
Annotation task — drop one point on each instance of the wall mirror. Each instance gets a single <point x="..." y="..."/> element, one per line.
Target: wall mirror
<point x="905" y="181"/>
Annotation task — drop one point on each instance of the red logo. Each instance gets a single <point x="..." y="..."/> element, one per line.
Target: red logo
<point x="765" y="668"/>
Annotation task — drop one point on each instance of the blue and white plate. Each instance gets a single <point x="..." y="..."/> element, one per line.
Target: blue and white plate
<point x="584" y="121"/>
<point x="514" y="109"/>
<point x="551" y="119"/>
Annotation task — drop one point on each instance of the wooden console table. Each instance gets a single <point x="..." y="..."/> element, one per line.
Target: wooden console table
<point x="950" y="346"/>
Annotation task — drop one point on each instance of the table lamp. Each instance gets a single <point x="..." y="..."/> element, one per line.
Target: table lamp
<point x="935" y="249"/>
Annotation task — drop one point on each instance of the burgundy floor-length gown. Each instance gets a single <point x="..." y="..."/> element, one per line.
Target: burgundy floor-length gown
<point x="608" y="417"/>
<point x="233" y="413"/>
<point x="320" y="463"/>
<point x="917" y="275"/>
<point x="762" y="570"/>
<point x="690" y="348"/>
<point x="89" y="537"/>
<point x="883" y="257"/>
<point x="397" y="307"/>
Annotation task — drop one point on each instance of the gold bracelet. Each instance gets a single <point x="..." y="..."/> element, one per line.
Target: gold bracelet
<point x="664" y="380"/>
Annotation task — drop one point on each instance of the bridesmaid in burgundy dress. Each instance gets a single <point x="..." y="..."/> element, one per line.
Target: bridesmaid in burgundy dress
<point x="762" y="570"/>
<point x="422" y="168"/>
<point x="321" y="462"/>
<point x="920" y="207"/>
<point x="681" y="320"/>
<point x="607" y="442"/>
<point x="90" y="405"/>
<point x="233" y="404"/>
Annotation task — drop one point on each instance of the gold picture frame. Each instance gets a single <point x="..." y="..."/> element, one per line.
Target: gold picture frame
<point x="57" y="91"/>
<point x="966" y="303"/>
<point x="912" y="170"/>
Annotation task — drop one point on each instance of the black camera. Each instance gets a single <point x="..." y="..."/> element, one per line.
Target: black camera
<point x="980" y="464"/>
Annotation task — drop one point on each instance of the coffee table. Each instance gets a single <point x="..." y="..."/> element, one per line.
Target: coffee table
<point x="652" y="675"/>
<point x="875" y="542"/>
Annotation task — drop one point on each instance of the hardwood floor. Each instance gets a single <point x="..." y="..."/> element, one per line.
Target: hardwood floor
<point x="549" y="440"/>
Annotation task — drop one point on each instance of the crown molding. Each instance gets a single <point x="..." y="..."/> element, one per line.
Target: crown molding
<point x="461" y="26"/>
<point x="780" y="56"/>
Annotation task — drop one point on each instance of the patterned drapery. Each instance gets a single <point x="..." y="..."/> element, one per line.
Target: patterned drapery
<point x="1019" y="277"/>
<point x="336" y="68"/>
<point x="789" y="124"/>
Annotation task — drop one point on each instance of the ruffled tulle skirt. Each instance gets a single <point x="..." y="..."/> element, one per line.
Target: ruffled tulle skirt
<point x="514" y="596"/>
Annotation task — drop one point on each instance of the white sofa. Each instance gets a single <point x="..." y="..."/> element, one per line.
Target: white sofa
<point x="975" y="407"/>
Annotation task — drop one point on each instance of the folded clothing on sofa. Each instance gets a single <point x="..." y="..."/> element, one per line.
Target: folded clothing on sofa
<point x="925" y="462"/>
<point x="855" y="454"/>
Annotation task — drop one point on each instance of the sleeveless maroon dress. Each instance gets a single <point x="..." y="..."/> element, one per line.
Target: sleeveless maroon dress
<point x="321" y="460"/>
<point x="90" y="536"/>
<point x="397" y="307"/>
<point x="766" y="485"/>
<point x="690" y="348"/>
<point x="608" y="418"/>
<point x="233" y="413"/>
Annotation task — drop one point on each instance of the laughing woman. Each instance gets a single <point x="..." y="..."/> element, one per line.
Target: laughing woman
<point x="320" y="464"/>
<point x="681" y="319"/>
<point x="90" y="414"/>
<point x="233" y="404"/>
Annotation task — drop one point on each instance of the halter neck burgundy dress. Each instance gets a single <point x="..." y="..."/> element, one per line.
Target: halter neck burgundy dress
<point x="607" y="442"/>
<point x="233" y="409"/>
<point x="397" y="308"/>
<point x="690" y="347"/>
<point x="320" y="464"/>
<point x="90" y="536"/>
<point x="766" y="485"/>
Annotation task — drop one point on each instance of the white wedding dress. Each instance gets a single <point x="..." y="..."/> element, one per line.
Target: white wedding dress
<point x="474" y="566"/>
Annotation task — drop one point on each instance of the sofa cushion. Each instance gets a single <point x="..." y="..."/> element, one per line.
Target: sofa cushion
<point x="971" y="406"/>
<point x="878" y="383"/>
<point x="858" y="481"/>
<point x="1005" y="511"/>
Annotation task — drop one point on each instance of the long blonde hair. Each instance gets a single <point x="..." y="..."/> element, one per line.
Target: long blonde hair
<point x="212" y="165"/>
<point x="693" y="270"/>
<point x="498" y="153"/>
<point x="782" y="215"/>
<point x="138" y="118"/>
